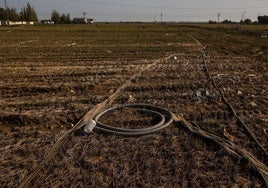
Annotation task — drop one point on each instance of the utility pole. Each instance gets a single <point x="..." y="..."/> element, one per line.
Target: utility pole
<point x="84" y="14"/>
<point x="154" y="18"/>
<point x="243" y="16"/>
<point x="7" y="11"/>
<point x="161" y="17"/>
<point x="85" y="20"/>
<point x="219" y="15"/>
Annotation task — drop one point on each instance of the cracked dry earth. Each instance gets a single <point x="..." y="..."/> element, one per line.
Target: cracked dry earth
<point x="173" y="157"/>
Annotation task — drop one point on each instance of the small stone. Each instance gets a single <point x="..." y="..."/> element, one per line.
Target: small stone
<point x="184" y="94"/>
<point x="131" y="99"/>
<point x="239" y="93"/>
<point x="205" y="93"/>
<point x="198" y="94"/>
<point x="253" y="104"/>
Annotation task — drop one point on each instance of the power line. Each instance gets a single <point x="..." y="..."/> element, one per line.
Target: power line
<point x="163" y="7"/>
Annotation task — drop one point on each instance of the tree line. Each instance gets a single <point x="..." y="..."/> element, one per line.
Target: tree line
<point x="26" y="14"/>
<point x="263" y="19"/>
<point x="60" y="19"/>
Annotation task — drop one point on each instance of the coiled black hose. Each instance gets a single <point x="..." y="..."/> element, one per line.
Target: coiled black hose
<point x="164" y="115"/>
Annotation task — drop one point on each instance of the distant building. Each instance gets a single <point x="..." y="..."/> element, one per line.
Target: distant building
<point x="47" y="22"/>
<point x="83" y="21"/>
<point x="263" y="19"/>
<point x="13" y="23"/>
<point x="3" y="23"/>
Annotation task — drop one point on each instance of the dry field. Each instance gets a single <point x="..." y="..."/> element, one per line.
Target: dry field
<point x="51" y="75"/>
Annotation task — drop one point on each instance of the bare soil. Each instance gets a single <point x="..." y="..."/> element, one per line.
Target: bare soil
<point x="48" y="88"/>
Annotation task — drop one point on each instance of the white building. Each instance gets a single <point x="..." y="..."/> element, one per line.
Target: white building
<point x="83" y="21"/>
<point x="12" y="23"/>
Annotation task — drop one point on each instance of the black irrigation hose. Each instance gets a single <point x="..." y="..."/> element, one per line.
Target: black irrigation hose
<point x="164" y="115"/>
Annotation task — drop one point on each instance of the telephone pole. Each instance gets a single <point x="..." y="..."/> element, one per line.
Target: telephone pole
<point x="243" y="16"/>
<point x="85" y="20"/>
<point x="84" y="14"/>
<point x="161" y="17"/>
<point x="219" y="15"/>
<point x="7" y="12"/>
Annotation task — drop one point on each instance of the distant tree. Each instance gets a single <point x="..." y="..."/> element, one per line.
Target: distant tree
<point x="9" y="14"/>
<point x="60" y="19"/>
<point x="68" y="21"/>
<point x="12" y="14"/>
<point x="263" y="19"/>
<point x="247" y="21"/>
<point x="63" y="19"/>
<point x="227" y="22"/>
<point x="212" y="22"/>
<point x="55" y="17"/>
<point x="28" y="13"/>
<point x="23" y="14"/>
<point x="3" y="14"/>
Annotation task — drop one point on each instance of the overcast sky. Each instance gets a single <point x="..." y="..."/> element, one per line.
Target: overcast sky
<point x="148" y="10"/>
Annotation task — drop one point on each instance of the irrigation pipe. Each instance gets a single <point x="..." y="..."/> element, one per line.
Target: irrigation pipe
<point x="232" y="148"/>
<point x="164" y="115"/>
<point x="165" y="119"/>
<point x="85" y="119"/>
<point x="250" y="133"/>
